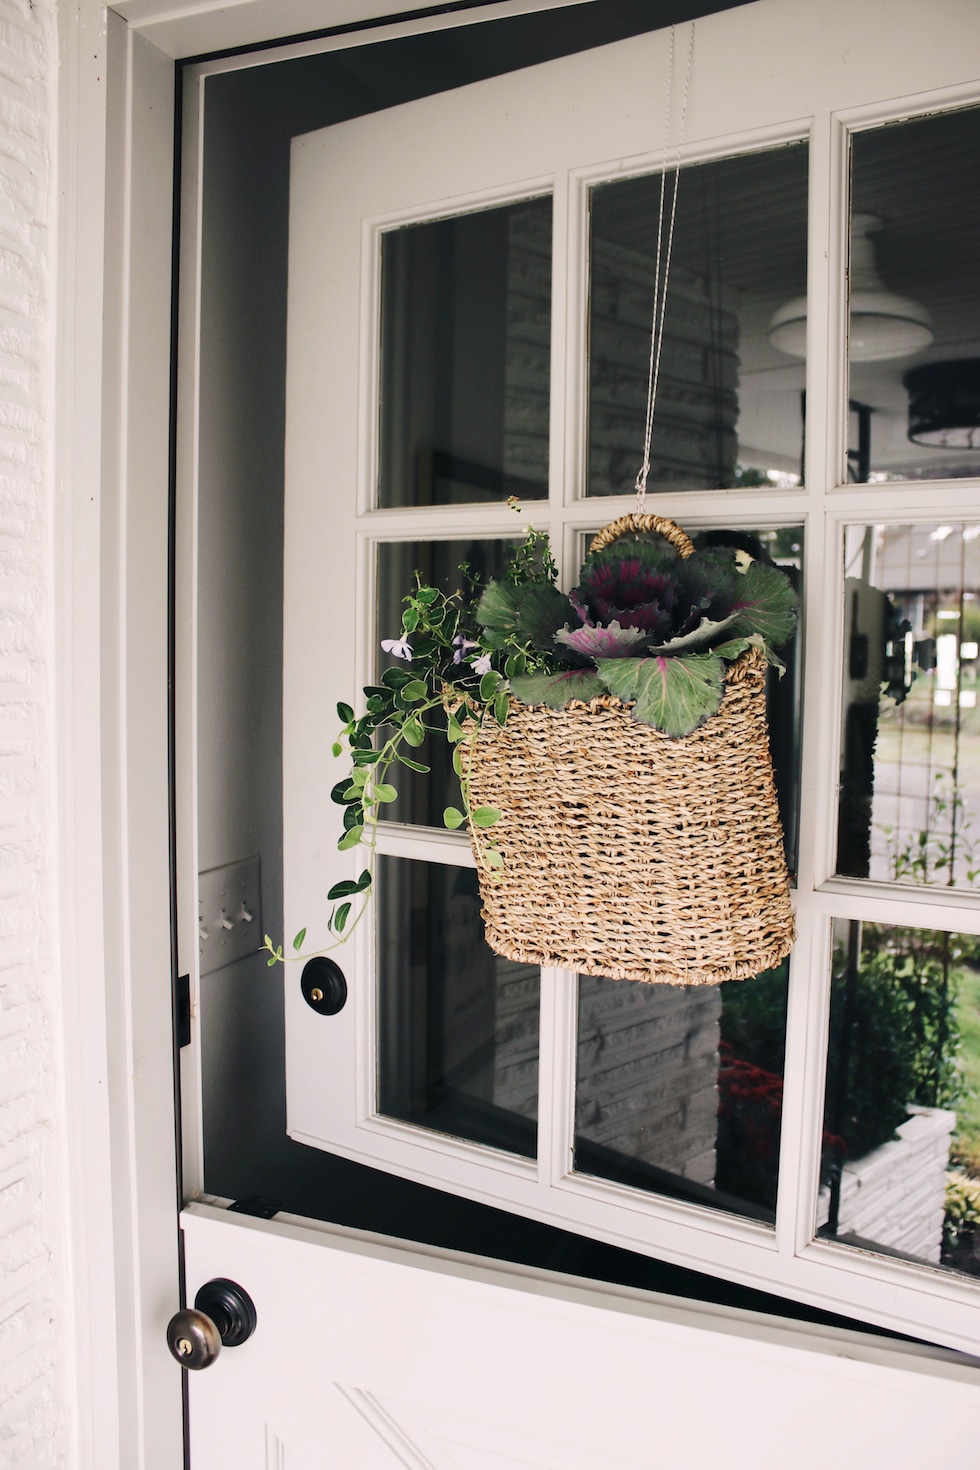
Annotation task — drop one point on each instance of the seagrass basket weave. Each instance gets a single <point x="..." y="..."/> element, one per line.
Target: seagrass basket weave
<point x="630" y="854"/>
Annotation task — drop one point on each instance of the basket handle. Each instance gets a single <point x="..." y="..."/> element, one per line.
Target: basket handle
<point x="669" y="530"/>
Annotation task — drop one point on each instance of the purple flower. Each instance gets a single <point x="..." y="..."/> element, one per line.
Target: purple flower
<point x="400" y="647"/>
<point x="624" y="589"/>
<point x="462" y="646"/>
<point x="482" y="664"/>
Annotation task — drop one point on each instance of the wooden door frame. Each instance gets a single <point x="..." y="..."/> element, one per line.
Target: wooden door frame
<point x="113" y="351"/>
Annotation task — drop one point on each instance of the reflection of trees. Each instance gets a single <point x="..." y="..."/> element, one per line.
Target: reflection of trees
<point x="893" y="1040"/>
<point x="750" y="1085"/>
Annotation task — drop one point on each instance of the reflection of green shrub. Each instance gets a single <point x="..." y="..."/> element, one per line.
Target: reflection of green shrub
<point x="962" y="1211"/>
<point x="753" y="1018"/>
<point x="893" y="1032"/>
<point x="750" y="1085"/>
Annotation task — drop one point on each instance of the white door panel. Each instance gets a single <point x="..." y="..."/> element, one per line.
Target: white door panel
<point x="368" y="1355"/>
<point x="771" y="72"/>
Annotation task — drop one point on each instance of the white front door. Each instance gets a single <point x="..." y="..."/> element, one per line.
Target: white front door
<point x="370" y="1354"/>
<point x="480" y="1078"/>
<point x="469" y="314"/>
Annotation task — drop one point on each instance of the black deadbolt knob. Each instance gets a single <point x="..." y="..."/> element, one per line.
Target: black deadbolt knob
<point x="230" y="1308"/>
<point x="323" y="985"/>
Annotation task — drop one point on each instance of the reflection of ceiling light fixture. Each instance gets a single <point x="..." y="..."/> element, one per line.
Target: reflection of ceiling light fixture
<point x="882" y="325"/>
<point x="940" y="533"/>
<point x="944" y="403"/>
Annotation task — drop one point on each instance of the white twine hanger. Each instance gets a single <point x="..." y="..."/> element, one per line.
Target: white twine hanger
<point x="660" y="289"/>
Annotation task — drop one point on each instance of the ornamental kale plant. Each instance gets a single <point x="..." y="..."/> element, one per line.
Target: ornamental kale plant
<point x="646" y="625"/>
<point x="643" y="624"/>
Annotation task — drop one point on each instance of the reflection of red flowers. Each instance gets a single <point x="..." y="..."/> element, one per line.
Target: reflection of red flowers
<point x="750" y="1101"/>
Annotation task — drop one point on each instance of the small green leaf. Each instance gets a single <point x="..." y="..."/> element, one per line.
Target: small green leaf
<point x="364" y="881"/>
<point x="486" y="816"/>
<point x="516" y="664"/>
<point x="272" y="960"/>
<point x="494" y="858"/>
<point x="338" y="794"/>
<point x="384" y="793"/>
<point x="267" y="940"/>
<point x="342" y="915"/>
<point x="488" y="685"/>
<point x="298" y="941"/>
<point x="396" y="678"/>
<point x="337" y="748"/>
<point x="426" y="595"/>
<point x="344" y="713"/>
<point x="410" y="619"/>
<point x="454" y="729"/>
<point x="366" y="757"/>
<point x="413" y="732"/>
<point x="501" y="708"/>
<point x="412" y="765"/>
<point x="453" y="818"/>
<point x="344" y="889"/>
<point x="458" y="760"/>
<point x="353" y="816"/>
<point x="414" y="691"/>
<point x="350" y="838"/>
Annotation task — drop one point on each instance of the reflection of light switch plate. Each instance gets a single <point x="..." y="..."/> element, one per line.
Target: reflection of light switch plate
<point x="229" y="914"/>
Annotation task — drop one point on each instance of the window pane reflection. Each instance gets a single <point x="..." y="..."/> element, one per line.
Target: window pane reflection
<point x="679" y="1089"/>
<point x="915" y="300"/>
<point x="900" y="1169"/>
<point x="457" y="1025"/>
<point x="729" y="404"/>
<point x="910" y="746"/>
<point x="465" y="357"/>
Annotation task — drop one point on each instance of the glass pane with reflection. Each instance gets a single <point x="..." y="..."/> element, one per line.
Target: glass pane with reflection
<point x="914" y="345"/>
<point x="729" y="403"/>
<point x="457" y="1025"/>
<point x="910" y="740"/>
<point x="900" y="1161"/>
<point x="448" y="565"/>
<point x="679" y="1088"/>
<point x="466" y="357"/>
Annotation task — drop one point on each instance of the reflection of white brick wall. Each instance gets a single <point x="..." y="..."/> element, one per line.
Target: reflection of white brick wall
<point x="34" y="1297"/>
<point x="648" y="1072"/>
<point x="896" y="1195"/>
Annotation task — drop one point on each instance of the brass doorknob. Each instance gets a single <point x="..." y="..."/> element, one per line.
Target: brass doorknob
<point x="193" y="1339"/>
<point x="223" y="1313"/>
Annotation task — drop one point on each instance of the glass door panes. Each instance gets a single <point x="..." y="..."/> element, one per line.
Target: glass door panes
<point x="914" y="350"/>
<point x="458" y="1028"/>
<point x="910" y="740"/>
<point x="730" y="398"/>
<point x="466" y="357"/>
<point x="679" y="1088"/>
<point x="900" y="1162"/>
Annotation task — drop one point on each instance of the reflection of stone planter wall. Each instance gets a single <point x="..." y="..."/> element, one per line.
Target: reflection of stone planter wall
<point x="648" y="1072"/>
<point x="896" y="1195"/>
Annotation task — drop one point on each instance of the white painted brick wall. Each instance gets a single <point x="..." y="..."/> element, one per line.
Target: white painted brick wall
<point x="33" y="1291"/>
<point x="896" y="1195"/>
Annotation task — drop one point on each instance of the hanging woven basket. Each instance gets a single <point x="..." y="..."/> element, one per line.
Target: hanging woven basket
<point x="627" y="853"/>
